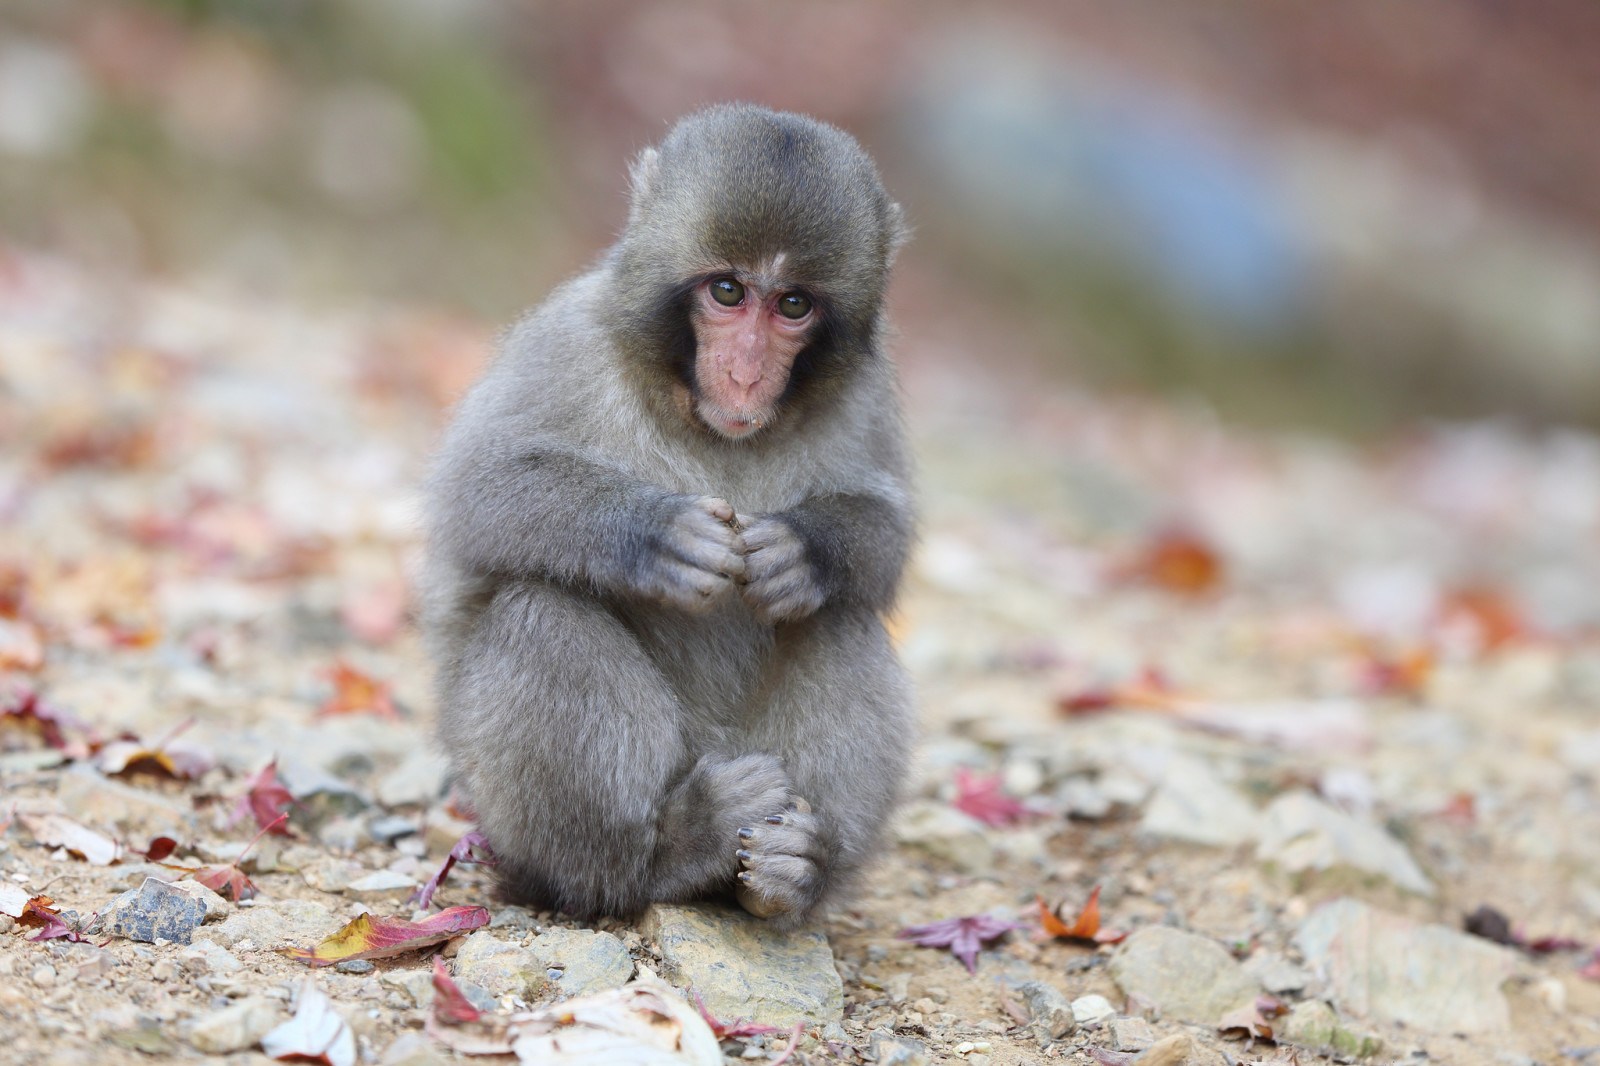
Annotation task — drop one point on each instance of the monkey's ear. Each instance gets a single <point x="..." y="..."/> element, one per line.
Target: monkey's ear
<point x="641" y="176"/>
<point x="899" y="231"/>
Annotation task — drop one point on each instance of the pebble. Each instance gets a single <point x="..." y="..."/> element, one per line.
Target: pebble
<point x="415" y="985"/>
<point x="380" y="883"/>
<point x="890" y="1050"/>
<point x="164" y="970"/>
<point x="1192" y="804"/>
<point x="513" y="917"/>
<point x="1317" y="1027"/>
<point x="203" y="956"/>
<point x="268" y="925"/>
<point x="1385" y="968"/>
<point x="1050" y="1015"/>
<point x="1181" y="1049"/>
<point x="1091" y="1009"/>
<point x="1277" y="974"/>
<point x="1129" y="1034"/>
<point x="578" y="961"/>
<point x="1185" y="975"/>
<point x="328" y="874"/>
<point x="499" y="967"/>
<point x="391" y="827"/>
<point x="1300" y="832"/>
<point x="418" y="780"/>
<point x="237" y="1027"/>
<point x="155" y="910"/>
<point x="744" y="968"/>
<point x="43" y="975"/>
<point x="354" y="966"/>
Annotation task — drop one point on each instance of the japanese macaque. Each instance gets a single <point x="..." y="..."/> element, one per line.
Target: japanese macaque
<point x="665" y="528"/>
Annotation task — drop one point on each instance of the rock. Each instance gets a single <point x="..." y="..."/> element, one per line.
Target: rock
<point x="1180" y="1050"/>
<point x="217" y="907"/>
<point x="744" y="968"/>
<point x="268" y="925"/>
<point x="1092" y="1009"/>
<point x="1300" y="832"/>
<point x="137" y="813"/>
<point x="413" y="1049"/>
<point x="419" y="779"/>
<point x="1185" y="975"/>
<point x="1192" y="804"/>
<point x="499" y="967"/>
<point x="206" y="957"/>
<point x="1277" y="974"/>
<point x="329" y="874"/>
<point x="513" y="917"/>
<point x="1050" y="1015"/>
<point x="354" y="966"/>
<point x="151" y="1042"/>
<point x="380" y="883"/>
<point x="943" y="832"/>
<point x="1385" y="968"/>
<point x="415" y="985"/>
<point x="577" y="961"/>
<point x="891" y="1050"/>
<point x="1315" y="1026"/>
<point x="1129" y="1034"/>
<point x="237" y="1027"/>
<point x="391" y="827"/>
<point x="343" y="835"/>
<point x="154" y="910"/>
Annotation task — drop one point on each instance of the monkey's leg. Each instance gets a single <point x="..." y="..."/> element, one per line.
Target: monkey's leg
<point x="572" y="747"/>
<point x="838" y="712"/>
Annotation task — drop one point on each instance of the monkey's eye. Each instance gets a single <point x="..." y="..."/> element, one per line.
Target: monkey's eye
<point x="727" y="292"/>
<point x="794" y="305"/>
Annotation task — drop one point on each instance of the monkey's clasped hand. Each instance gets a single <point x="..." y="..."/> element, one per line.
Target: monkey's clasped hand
<point x="664" y="529"/>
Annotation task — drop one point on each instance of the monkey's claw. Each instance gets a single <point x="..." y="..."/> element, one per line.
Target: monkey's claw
<point x="782" y="863"/>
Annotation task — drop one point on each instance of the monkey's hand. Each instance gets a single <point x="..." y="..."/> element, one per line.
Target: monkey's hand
<point x="697" y="558"/>
<point x="782" y="858"/>
<point x="780" y="584"/>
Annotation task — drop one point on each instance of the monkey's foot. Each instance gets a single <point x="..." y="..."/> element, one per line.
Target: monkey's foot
<point x="781" y="859"/>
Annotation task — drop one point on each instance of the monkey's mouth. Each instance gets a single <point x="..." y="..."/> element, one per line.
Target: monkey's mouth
<point x="729" y="424"/>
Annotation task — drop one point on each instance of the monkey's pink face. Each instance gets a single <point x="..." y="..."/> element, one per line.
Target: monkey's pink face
<point x="749" y="333"/>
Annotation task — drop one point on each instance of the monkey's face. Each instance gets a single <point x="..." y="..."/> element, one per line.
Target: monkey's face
<point x="748" y="327"/>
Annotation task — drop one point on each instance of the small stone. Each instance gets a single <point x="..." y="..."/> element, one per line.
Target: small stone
<point x="43" y="975"/>
<point x="513" y="917"/>
<point x="217" y="906"/>
<point x="328" y="874"/>
<point x="744" y="968"/>
<point x="586" y="961"/>
<point x="1317" y="1027"/>
<point x="890" y="1050"/>
<point x="354" y="966"/>
<point x="1181" y="1050"/>
<point x="205" y="957"/>
<point x="939" y="830"/>
<point x="1050" y="1015"/>
<point x="1130" y="1034"/>
<point x="419" y="780"/>
<point x="380" y="883"/>
<point x="164" y="970"/>
<point x="150" y="1041"/>
<point x="1385" y="968"/>
<point x="499" y="967"/>
<point x="154" y="910"/>
<point x="1192" y="804"/>
<point x="343" y="835"/>
<point x="415" y="985"/>
<point x="391" y="827"/>
<point x="237" y="1027"/>
<point x="1300" y="832"/>
<point x="1092" y="1009"/>
<point x="1277" y="974"/>
<point x="1185" y="975"/>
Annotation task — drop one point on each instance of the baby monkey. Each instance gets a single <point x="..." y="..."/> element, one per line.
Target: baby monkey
<point x="665" y="527"/>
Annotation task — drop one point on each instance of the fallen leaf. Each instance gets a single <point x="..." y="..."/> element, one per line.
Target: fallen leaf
<point x="228" y="879"/>
<point x="963" y="936"/>
<point x="1317" y="725"/>
<point x="24" y="707"/>
<point x="1488" y="615"/>
<point x="1247" y="1018"/>
<point x="160" y="848"/>
<point x="448" y="1000"/>
<point x="460" y="852"/>
<point x="13" y="900"/>
<point x="164" y="758"/>
<point x="738" y="1027"/>
<point x="378" y="938"/>
<point x="1404" y="673"/>
<point x="357" y="693"/>
<point x="40" y="912"/>
<point x="1084" y="927"/>
<point x="641" y="1024"/>
<point x="454" y="1022"/>
<point x="1177" y="560"/>
<point x="1149" y="691"/>
<point x="57" y="830"/>
<point x="376" y="613"/>
<point x="980" y="796"/>
<point x="265" y="797"/>
<point x="316" y="1033"/>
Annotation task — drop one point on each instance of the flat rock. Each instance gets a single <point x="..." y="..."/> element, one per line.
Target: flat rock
<point x="1317" y="1027"/>
<point x="204" y="956"/>
<point x="269" y="925"/>
<point x="380" y="883"/>
<point x="1277" y="974"/>
<point x="891" y="1050"/>
<point x="1382" y="967"/>
<point x="1192" y="804"/>
<point x="1129" y="1034"/>
<point x="1050" y="1015"/>
<point x="745" y="968"/>
<point x="582" y="960"/>
<point x="156" y="910"/>
<point x="943" y="832"/>
<point x="1092" y="1009"/>
<point x="138" y="814"/>
<point x="499" y="967"/>
<point x="419" y="780"/>
<point x="415" y="985"/>
<point x="237" y="1027"/>
<point x="329" y="874"/>
<point x="1186" y="975"/>
<point x="1300" y="832"/>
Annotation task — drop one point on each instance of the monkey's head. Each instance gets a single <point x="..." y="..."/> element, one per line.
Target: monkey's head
<point x="750" y="278"/>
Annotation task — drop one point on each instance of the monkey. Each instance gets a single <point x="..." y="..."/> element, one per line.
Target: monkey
<point x="664" y="530"/>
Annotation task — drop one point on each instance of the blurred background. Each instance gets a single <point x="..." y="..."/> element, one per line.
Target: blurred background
<point x="1341" y="216"/>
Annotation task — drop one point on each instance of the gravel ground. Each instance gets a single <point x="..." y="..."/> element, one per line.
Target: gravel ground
<point x="1229" y="678"/>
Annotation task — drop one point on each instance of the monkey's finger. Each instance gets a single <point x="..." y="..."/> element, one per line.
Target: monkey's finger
<point x="766" y="533"/>
<point x="769" y="872"/>
<point x="717" y="508"/>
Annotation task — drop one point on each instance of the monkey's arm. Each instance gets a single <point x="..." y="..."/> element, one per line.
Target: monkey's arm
<point x="838" y="548"/>
<point x="538" y="510"/>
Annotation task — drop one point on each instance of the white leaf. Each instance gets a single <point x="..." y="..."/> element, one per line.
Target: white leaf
<point x="315" y="1032"/>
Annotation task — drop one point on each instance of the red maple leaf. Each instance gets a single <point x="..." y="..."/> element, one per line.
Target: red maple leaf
<point x="980" y="796"/>
<point x="963" y="936"/>
<point x="265" y="797"/>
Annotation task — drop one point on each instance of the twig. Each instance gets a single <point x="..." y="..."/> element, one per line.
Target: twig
<point x="794" y="1042"/>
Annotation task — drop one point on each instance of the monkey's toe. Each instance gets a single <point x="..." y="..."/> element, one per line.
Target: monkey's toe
<point x="781" y="862"/>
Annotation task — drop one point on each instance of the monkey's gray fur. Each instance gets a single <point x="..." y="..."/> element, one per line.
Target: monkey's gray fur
<point x="645" y="699"/>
